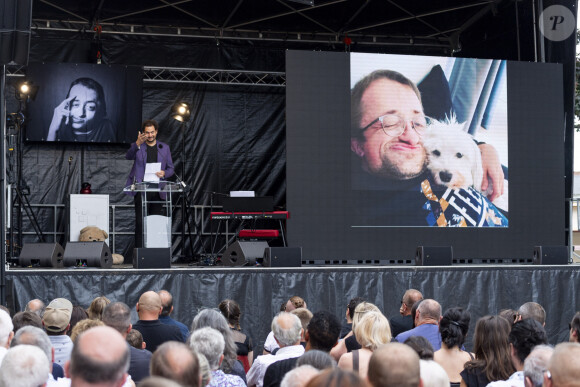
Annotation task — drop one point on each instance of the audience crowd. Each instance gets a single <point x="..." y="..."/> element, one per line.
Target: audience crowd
<point x="59" y="344"/>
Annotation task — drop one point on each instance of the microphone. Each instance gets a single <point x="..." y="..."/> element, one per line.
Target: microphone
<point x="180" y="181"/>
<point x="133" y="185"/>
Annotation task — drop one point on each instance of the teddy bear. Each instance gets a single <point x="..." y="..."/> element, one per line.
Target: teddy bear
<point x="95" y="234"/>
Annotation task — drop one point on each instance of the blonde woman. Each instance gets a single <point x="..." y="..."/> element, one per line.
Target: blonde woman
<point x="349" y="343"/>
<point x="372" y="331"/>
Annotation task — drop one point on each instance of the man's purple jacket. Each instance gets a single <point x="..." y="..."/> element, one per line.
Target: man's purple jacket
<point x="140" y="157"/>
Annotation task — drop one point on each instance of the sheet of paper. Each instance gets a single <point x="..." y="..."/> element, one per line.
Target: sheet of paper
<point x="150" y="170"/>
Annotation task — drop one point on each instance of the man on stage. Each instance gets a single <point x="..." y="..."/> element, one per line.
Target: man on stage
<point x="154" y="152"/>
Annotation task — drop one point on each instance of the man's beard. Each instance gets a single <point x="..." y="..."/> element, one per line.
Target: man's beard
<point x="402" y="168"/>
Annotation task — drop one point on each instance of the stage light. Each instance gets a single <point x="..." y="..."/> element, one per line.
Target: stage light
<point x="26" y="90"/>
<point x="181" y="112"/>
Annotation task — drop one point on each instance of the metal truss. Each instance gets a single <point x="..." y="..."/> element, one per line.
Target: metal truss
<point x="215" y="77"/>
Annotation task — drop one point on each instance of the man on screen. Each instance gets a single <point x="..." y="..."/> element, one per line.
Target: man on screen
<point x="390" y="178"/>
<point x="154" y="152"/>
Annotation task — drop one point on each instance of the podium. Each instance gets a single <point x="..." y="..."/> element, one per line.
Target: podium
<point x="156" y="227"/>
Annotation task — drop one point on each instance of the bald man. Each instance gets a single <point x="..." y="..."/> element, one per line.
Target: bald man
<point x="100" y="357"/>
<point x="403" y="369"/>
<point x="154" y="331"/>
<point x="426" y="324"/>
<point x="563" y="370"/>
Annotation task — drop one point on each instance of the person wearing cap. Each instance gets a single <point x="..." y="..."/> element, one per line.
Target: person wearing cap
<point x="56" y="322"/>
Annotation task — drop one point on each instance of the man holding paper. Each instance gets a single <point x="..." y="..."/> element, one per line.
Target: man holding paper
<point x="151" y="163"/>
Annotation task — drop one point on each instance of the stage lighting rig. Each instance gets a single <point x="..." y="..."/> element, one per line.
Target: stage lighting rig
<point x="181" y="112"/>
<point x="26" y="90"/>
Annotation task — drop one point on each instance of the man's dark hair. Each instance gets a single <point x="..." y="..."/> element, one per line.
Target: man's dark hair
<point x="147" y="123"/>
<point x="359" y="89"/>
<point x="22" y="319"/>
<point x="422" y="346"/>
<point x="575" y="323"/>
<point x="352" y="304"/>
<point x="101" y="103"/>
<point x="323" y="331"/>
<point x="525" y="335"/>
<point x="166" y="302"/>
<point x="454" y="326"/>
<point x="117" y="315"/>
<point x="135" y="339"/>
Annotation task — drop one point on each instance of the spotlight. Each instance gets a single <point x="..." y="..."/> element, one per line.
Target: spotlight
<point x="26" y="90"/>
<point x="180" y="111"/>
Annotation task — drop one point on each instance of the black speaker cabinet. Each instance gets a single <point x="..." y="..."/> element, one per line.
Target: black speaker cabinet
<point x="434" y="256"/>
<point x="242" y="253"/>
<point x="152" y="258"/>
<point x="283" y="257"/>
<point x="91" y="254"/>
<point x="41" y="254"/>
<point x="550" y="255"/>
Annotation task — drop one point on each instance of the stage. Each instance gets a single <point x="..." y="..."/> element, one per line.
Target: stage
<point x="482" y="289"/>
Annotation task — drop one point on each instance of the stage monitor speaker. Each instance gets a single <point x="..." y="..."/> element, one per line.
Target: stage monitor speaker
<point x="91" y="254"/>
<point x="152" y="258"/>
<point x="434" y="256"/>
<point x="41" y="254"/>
<point x="242" y="253"/>
<point x="282" y="257"/>
<point x="15" y="31"/>
<point x="550" y="255"/>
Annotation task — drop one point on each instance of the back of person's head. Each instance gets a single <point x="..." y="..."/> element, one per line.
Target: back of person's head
<point x="317" y="359"/>
<point x="6" y="328"/>
<point x="360" y="311"/>
<point x="166" y="302"/>
<point x="96" y="308"/>
<point x="535" y="365"/>
<point x="533" y="310"/>
<point x="176" y="361"/>
<point x="286" y="328"/>
<point x="563" y="365"/>
<point x="323" y="331"/>
<point x="491" y="348"/>
<point x="525" y="335"/>
<point x="35" y="306"/>
<point x="422" y="346"/>
<point x="87" y="363"/>
<point x="575" y="327"/>
<point x="429" y="310"/>
<point x="373" y="330"/>
<point x="304" y="315"/>
<point x="84" y="325"/>
<point x="231" y="311"/>
<point x="433" y="375"/>
<point x="394" y="365"/>
<point x="210" y="343"/>
<point x="297" y="302"/>
<point x="149" y="303"/>
<point x="135" y="339"/>
<point x="410" y="297"/>
<point x="24" y="366"/>
<point x="299" y="376"/>
<point x="352" y="304"/>
<point x="77" y="314"/>
<point x="22" y="319"/>
<point x="214" y="319"/>
<point x="454" y="326"/>
<point x="337" y="377"/>
<point x="117" y="315"/>
<point x="158" y="381"/>
<point x="29" y="335"/>
<point x="509" y="314"/>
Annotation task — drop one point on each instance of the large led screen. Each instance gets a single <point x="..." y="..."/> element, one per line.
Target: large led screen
<point x="386" y="153"/>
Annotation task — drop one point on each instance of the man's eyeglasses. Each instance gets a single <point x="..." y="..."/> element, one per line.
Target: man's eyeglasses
<point x="394" y="125"/>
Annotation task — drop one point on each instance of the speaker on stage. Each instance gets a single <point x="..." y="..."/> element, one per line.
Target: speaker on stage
<point x="243" y="253"/>
<point x="283" y="257"/>
<point x="92" y="254"/>
<point x="41" y="254"/>
<point x="152" y="258"/>
<point x="550" y="255"/>
<point x="434" y="256"/>
<point x="15" y="31"/>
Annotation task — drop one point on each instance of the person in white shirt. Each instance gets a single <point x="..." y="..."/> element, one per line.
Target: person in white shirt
<point x="6" y="333"/>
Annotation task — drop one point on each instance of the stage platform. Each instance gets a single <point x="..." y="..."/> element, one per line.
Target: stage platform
<point x="482" y="289"/>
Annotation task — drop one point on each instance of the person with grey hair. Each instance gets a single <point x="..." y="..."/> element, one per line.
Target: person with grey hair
<point x="29" y="335"/>
<point x="6" y="333"/>
<point x="210" y="343"/>
<point x="535" y="365"/>
<point x="158" y="381"/>
<point x="24" y="366"/>
<point x="317" y="359"/>
<point x="35" y="306"/>
<point x="427" y="320"/>
<point x="299" y="376"/>
<point x="532" y="310"/>
<point x="287" y="332"/>
<point x="562" y="369"/>
<point x="117" y="315"/>
<point x="432" y="374"/>
<point x="214" y="319"/>
<point x="176" y="361"/>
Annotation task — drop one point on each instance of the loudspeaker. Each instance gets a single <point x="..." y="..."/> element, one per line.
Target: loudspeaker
<point x="550" y="255"/>
<point x="152" y="258"/>
<point x="41" y="254"/>
<point x="434" y="256"/>
<point x="283" y="257"/>
<point x="15" y="31"/>
<point x="93" y="254"/>
<point x="243" y="253"/>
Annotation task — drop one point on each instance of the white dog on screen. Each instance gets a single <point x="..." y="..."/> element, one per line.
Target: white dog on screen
<point x="454" y="158"/>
